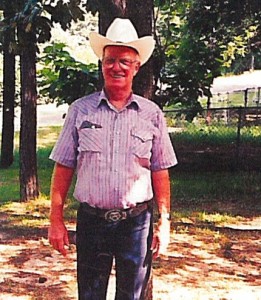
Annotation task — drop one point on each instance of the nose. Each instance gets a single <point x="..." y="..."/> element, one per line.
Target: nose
<point x="116" y="65"/>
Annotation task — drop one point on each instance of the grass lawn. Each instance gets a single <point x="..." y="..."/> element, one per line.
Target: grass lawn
<point x="190" y="189"/>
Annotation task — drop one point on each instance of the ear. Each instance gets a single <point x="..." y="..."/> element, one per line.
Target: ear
<point x="137" y="67"/>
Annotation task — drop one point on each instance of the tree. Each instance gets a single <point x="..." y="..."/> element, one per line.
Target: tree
<point x="194" y="44"/>
<point x="8" y="41"/>
<point x="29" y="187"/>
<point x="34" y="28"/>
<point x="62" y="79"/>
<point x="143" y="21"/>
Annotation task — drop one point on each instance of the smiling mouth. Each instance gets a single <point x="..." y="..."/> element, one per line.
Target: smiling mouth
<point x="117" y="75"/>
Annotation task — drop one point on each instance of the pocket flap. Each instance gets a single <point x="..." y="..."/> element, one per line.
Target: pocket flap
<point x="143" y="135"/>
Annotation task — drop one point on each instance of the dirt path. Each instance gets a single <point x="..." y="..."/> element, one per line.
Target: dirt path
<point x="202" y="264"/>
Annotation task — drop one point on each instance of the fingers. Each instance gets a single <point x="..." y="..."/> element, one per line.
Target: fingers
<point x="59" y="242"/>
<point x="159" y="245"/>
<point x="61" y="247"/>
<point x="155" y="247"/>
<point x="161" y="238"/>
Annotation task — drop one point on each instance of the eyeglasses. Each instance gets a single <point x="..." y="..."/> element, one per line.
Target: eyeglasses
<point x="124" y="63"/>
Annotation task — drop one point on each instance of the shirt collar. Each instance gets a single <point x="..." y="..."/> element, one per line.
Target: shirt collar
<point x="132" y="103"/>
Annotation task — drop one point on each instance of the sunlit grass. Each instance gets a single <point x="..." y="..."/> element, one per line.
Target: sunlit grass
<point x="35" y="213"/>
<point x="47" y="136"/>
<point x="199" y="217"/>
<point x="216" y="218"/>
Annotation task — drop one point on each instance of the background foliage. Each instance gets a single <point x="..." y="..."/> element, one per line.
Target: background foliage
<point x="63" y="78"/>
<point x="196" y="41"/>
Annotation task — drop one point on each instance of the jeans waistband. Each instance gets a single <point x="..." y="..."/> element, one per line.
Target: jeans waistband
<point x="114" y="215"/>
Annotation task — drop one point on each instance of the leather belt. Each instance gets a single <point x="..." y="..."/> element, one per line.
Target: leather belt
<point x="115" y="215"/>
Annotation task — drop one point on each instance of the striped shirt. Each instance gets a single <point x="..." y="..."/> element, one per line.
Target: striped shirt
<point x="114" y="151"/>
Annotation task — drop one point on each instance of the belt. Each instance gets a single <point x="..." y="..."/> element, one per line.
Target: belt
<point x="114" y="215"/>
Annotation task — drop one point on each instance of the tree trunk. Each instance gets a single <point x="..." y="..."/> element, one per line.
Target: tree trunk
<point x="7" y="144"/>
<point x="140" y="12"/>
<point x="29" y="188"/>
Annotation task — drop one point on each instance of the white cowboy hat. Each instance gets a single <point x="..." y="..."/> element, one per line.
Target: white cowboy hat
<point x="122" y="33"/>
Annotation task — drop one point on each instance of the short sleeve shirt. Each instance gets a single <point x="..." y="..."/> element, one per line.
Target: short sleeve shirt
<point x="114" y="152"/>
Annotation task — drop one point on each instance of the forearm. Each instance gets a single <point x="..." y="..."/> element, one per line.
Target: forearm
<point x="161" y="237"/>
<point x="161" y="187"/>
<point x="61" y="181"/>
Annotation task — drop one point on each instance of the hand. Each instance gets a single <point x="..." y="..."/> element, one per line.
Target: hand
<point x="58" y="237"/>
<point x="161" y="238"/>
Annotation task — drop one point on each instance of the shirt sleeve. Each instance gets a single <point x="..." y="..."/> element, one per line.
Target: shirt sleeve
<point x="65" y="150"/>
<point x="163" y="154"/>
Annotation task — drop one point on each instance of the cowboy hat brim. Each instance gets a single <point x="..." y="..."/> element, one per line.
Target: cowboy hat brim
<point x="144" y="45"/>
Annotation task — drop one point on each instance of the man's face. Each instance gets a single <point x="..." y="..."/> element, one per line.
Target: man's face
<point x="119" y="65"/>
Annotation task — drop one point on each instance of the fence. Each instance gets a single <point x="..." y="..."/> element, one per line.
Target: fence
<point x="219" y="138"/>
<point x="249" y="97"/>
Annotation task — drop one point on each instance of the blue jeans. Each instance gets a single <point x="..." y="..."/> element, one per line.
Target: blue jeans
<point x="98" y="241"/>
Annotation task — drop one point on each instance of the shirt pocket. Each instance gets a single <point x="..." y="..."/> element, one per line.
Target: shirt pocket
<point x="91" y="139"/>
<point x="142" y="142"/>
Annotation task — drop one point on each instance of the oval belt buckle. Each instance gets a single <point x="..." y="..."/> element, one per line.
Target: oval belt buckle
<point x="113" y="215"/>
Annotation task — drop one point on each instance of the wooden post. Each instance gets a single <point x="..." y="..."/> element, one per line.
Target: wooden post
<point x="246" y="97"/>
<point x="240" y="109"/>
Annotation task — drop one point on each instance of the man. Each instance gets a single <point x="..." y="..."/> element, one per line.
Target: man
<point x="118" y="144"/>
